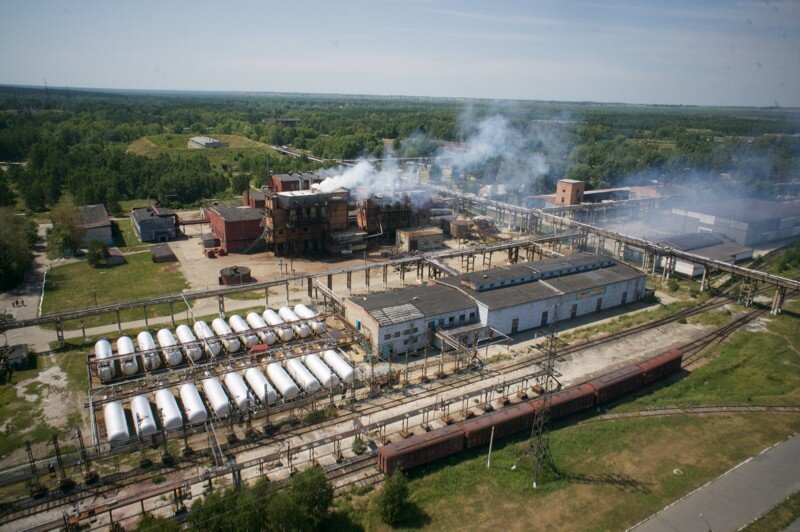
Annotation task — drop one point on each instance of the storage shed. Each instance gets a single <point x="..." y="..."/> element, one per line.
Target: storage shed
<point x="420" y="238"/>
<point x="162" y="253"/>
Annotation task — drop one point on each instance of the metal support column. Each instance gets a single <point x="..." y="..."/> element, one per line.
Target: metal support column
<point x="221" y="303"/>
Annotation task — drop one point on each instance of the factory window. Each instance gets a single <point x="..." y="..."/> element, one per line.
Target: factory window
<point x="544" y="319"/>
<point x="405" y="342"/>
<point x="397" y="334"/>
<point x="599" y="304"/>
<point x="624" y="297"/>
<point x="406" y="332"/>
<point x="441" y="322"/>
<point x="431" y="324"/>
<point x="451" y="319"/>
<point x="491" y="285"/>
<point x="387" y="336"/>
<point x="462" y="317"/>
<point x="416" y="329"/>
<point x="502" y="283"/>
<point x="574" y="310"/>
<point x="472" y="315"/>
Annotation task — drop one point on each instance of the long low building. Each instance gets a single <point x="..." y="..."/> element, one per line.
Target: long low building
<point x="709" y="245"/>
<point x="508" y="299"/>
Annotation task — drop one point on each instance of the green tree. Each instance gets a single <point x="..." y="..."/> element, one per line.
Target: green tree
<point x="17" y="236"/>
<point x="312" y="491"/>
<point x="285" y="514"/>
<point x="392" y="500"/>
<point x="152" y="523"/>
<point x="95" y="253"/>
<point x="239" y="183"/>
<point x="67" y="235"/>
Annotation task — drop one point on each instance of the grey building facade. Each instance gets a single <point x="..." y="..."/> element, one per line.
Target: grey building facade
<point x="154" y="224"/>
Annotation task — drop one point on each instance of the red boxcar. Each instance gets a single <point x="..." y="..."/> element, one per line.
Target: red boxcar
<point x="507" y="421"/>
<point x="660" y="366"/>
<point x="617" y="383"/>
<point x="568" y="401"/>
<point x="421" y="449"/>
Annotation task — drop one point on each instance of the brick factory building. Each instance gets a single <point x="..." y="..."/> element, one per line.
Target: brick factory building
<point x="239" y="229"/>
<point x="420" y="238"/>
<point x="293" y="182"/>
<point x="301" y="220"/>
<point x="253" y="199"/>
<point x="384" y="214"/>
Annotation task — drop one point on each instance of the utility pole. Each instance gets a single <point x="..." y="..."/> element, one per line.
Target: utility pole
<point x="539" y="448"/>
<point x="491" y="443"/>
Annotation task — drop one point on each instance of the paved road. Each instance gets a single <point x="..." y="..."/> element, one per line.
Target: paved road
<point x="737" y="497"/>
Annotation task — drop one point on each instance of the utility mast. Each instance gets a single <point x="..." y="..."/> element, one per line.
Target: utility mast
<point x="540" y="441"/>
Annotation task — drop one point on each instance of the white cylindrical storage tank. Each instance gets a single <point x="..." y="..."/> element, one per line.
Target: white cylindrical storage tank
<point x="237" y="389"/>
<point x="189" y="342"/>
<point x="273" y="320"/>
<point x="301" y="375"/>
<point x="339" y="365"/>
<point x="318" y="327"/>
<point x="102" y="352"/>
<point x="147" y="346"/>
<point x="283" y="382"/>
<point x="193" y="403"/>
<point x="169" y="346"/>
<point x="116" y="424"/>
<point x="171" y="417"/>
<point x="142" y="415"/>
<point x="260" y="385"/>
<point x="240" y="326"/>
<point x="230" y="342"/>
<point x="321" y="371"/>
<point x="258" y="324"/>
<point x="288" y="315"/>
<point x="216" y="396"/>
<point x="127" y="359"/>
<point x="206" y="336"/>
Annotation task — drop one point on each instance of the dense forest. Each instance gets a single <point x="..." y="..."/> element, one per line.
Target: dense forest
<point x="75" y="141"/>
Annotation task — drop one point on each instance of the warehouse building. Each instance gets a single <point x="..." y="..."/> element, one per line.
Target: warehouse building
<point x="95" y="224"/>
<point x="508" y="299"/>
<point x="709" y="245"/>
<point x="748" y="222"/>
<point x="154" y="224"/>
<point x="420" y="239"/>
<point x="204" y="143"/>
<point x="239" y="229"/>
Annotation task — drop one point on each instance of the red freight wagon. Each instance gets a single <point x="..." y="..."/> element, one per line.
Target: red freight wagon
<point x="421" y="449"/>
<point x="657" y="367"/>
<point x="617" y="383"/>
<point x="568" y="401"/>
<point x="505" y="422"/>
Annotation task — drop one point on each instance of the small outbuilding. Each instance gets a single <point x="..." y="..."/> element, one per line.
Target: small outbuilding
<point x="163" y="253"/>
<point x="114" y="256"/>
<point x="95" y="224"/>
<point x="420" y="238"/>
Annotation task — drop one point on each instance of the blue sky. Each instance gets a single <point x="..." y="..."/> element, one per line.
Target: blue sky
<point x="669" y="52"/>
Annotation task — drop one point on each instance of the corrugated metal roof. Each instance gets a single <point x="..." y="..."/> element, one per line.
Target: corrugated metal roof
<point x="690" y="241"/>
<point x="94" y="216"/>
<point x="426" y="300"/>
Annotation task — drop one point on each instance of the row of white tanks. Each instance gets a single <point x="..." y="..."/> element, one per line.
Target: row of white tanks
<point x="234" y="334"/>
<point x="310" y="374"/>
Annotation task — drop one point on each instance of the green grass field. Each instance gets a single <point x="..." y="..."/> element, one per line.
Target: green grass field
<point x="779" y="518"/>
<point x="176" y="146"/>
<point x="75" y="286"/>
<point x="125" y="237"/>
<point x="617" y="472"/>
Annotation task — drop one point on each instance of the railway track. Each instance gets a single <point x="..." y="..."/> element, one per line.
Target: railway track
<point x="29" y="506"/>
<point x="694" y="410"/>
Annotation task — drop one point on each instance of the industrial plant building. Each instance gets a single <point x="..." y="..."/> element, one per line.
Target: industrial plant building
<point x="239" y="229"/>
<point x="95" y="224"/>
<point x="154" y="224"/>
<point x="708" y="245"/>
<point x="420" y="239"/>
<point x="507" y="300"/>
<point x="292" y="182"/>
<point x="203" y="143"/>
<point x="746" y="221"/>
<point x="301" y="220"/>
<point x="386" y="213"/>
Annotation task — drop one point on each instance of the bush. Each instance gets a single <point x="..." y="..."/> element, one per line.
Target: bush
<point x="393" y="499"/>
<point x="95" y="253"/>
<point x="673" y="285"/>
